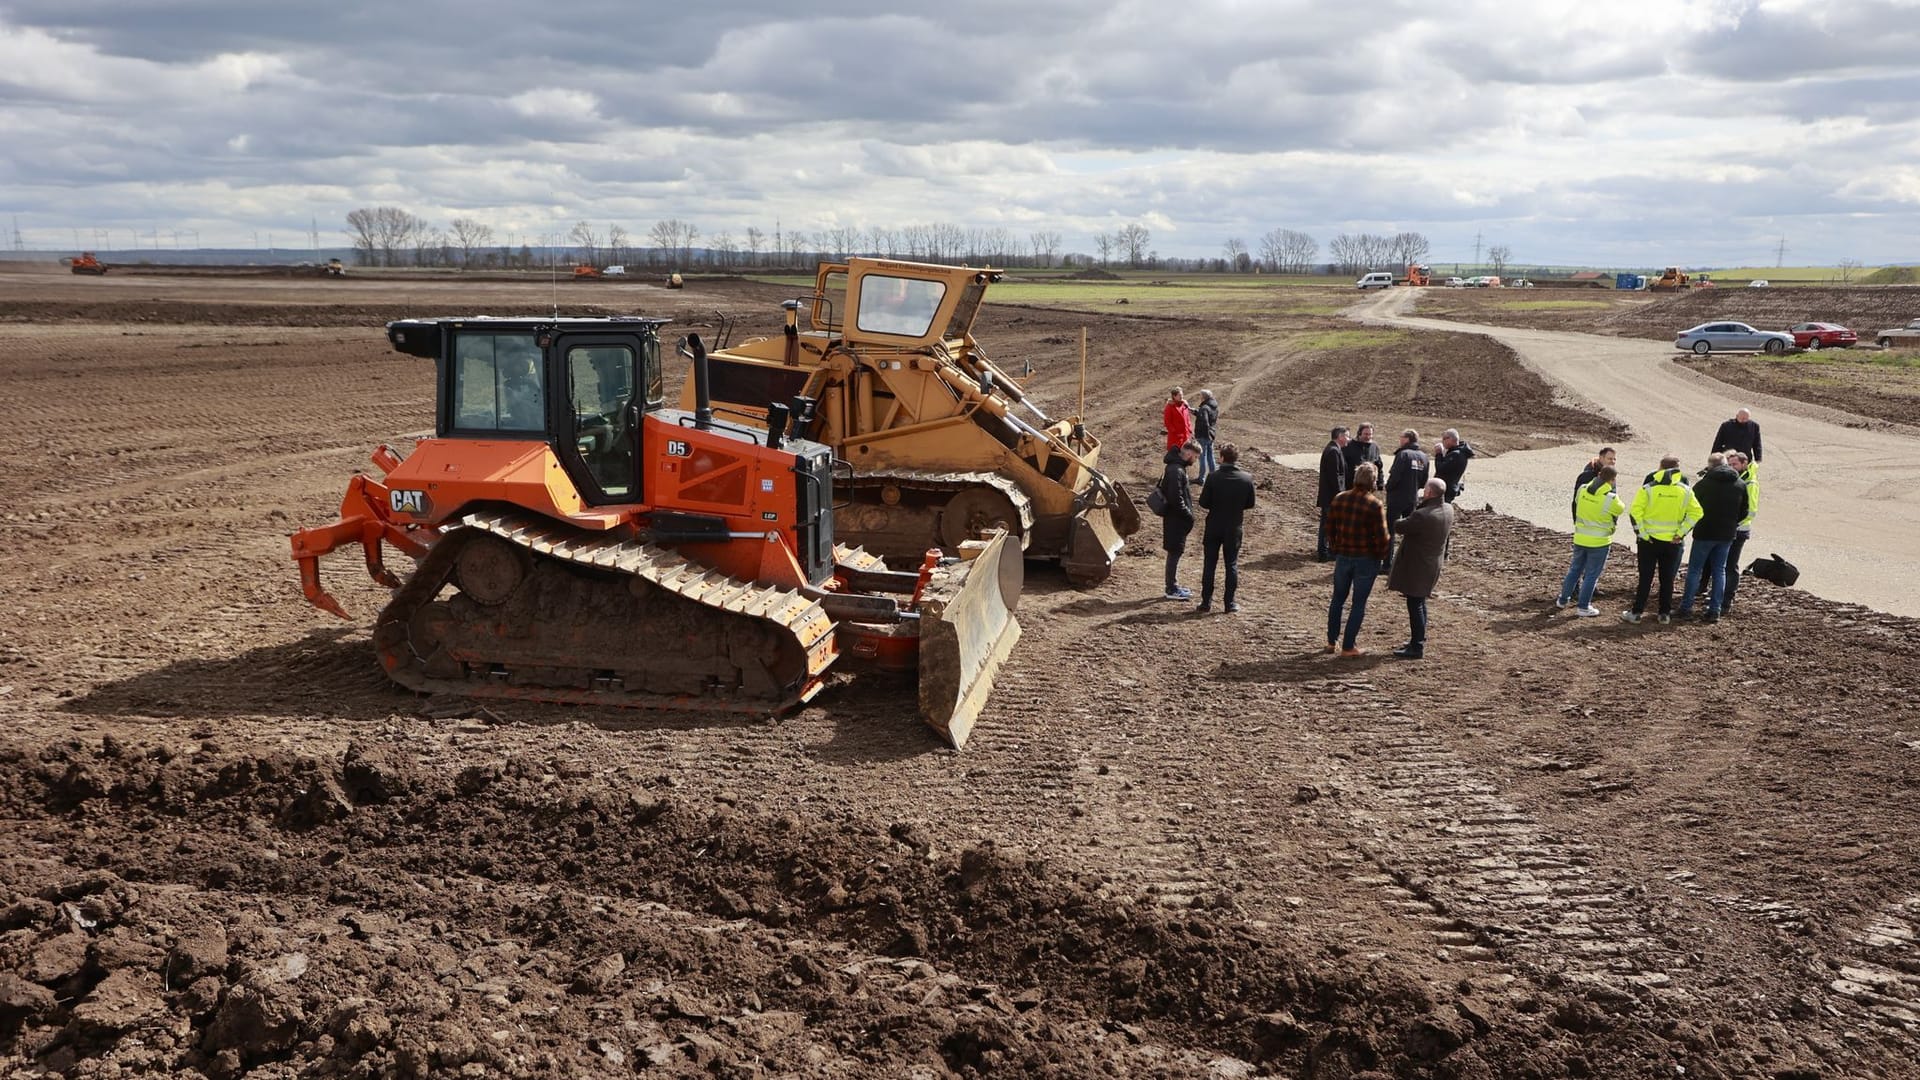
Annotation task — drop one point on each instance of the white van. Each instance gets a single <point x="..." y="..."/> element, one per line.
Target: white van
<point x="1379" y="279"/>
<point x="615" y="271"/>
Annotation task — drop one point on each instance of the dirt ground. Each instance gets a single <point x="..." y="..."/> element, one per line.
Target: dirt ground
<point x="1177" y="845"/>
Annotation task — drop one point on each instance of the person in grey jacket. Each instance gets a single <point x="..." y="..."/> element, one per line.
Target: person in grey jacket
<point x="1178" y="522"/>
<point x="1206" y="421"/>
<point x="1423" y="535"/>
<point x="1226" y="496"/>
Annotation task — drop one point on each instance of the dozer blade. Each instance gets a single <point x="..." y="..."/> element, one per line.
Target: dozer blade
<point x="966" y="629"/>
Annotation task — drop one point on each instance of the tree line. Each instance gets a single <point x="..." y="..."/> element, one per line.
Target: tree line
<point x="392" y="236"/>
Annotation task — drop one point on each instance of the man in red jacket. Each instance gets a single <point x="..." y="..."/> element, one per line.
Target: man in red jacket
<point x="1178" y="420"/>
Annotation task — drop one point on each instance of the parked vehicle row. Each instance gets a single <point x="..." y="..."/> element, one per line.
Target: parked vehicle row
<point x="1740" y="337"/>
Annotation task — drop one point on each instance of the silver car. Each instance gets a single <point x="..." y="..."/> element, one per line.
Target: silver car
<point x="1733" y="337"/>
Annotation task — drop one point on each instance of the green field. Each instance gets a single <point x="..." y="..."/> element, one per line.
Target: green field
<point x="1163" y="294"/>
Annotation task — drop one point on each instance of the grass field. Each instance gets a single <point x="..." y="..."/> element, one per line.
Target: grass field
<point x="1327" y="340"/>
<point x="1163" y="294"/>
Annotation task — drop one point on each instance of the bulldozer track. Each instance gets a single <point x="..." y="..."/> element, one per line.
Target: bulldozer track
<point x="952" y="483"/>
<point x="775" y="642"/>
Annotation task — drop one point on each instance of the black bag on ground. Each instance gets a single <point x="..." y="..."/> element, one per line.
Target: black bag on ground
<point x="1157" y="502"/>
<point x="1775" y="569"/>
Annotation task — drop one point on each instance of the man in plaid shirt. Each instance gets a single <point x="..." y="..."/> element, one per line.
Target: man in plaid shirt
<point x="1358" y="537"/>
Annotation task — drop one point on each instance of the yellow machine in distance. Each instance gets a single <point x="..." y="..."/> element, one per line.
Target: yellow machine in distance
<point x="944" y="445"/>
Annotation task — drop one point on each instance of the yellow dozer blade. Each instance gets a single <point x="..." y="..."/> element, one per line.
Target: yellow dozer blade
<point x="967" y="628"/>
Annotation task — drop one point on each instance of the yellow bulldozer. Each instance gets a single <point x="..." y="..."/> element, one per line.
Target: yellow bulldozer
<point x="944" y="445"/>
<point x="1670" y="280"/>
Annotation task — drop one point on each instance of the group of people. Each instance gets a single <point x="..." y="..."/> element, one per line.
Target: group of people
<point x="1226" y="493"/>
<point x="1405" y="534"/>
<point x="1715" y="512"/>
<point x="1401" y="525"/>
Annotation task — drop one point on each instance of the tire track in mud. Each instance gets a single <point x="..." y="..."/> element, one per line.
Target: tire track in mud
<point x="1492" y="882"/>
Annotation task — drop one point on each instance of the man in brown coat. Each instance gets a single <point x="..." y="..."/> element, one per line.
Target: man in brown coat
<point x="1416" y="569"/>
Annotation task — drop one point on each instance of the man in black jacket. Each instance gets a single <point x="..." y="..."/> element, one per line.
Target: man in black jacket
<point x="1362" y="450"/>
<point x="1452" y="466"/>
<point x="1225" y="497"/>
<point x="1723" y="503"/>
<point x="1408" y="475"/>
<point x="1741" y="433"/>
<point x="1335" y="475"/>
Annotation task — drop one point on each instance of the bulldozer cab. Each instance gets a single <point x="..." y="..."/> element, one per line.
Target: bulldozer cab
<point x="580" y="385"/>
<point x="904" y="305"/>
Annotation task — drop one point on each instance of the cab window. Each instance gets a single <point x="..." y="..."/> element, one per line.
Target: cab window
<point x="600" y="378"/>
<point x="497" y="384"/>
<point x="830" y="302"/>
<point x="895" y="305"/>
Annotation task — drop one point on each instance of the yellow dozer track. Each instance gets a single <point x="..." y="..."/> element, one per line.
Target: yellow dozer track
<point x="944" y="445"/>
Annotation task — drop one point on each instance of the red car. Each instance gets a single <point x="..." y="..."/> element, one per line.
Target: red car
<point x="1822" y="335"/>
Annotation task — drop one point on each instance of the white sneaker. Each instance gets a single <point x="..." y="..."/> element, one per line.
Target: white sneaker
<point x="1559" y="603"/>
<point x="1587" y="612"/>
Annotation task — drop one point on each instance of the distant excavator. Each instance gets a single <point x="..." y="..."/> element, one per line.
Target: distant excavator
<point x="944" y="444"/>
<point x="86" y="263"/>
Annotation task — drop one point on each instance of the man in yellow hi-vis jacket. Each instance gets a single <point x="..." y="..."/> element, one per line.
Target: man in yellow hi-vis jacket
<point x="1664" y="511"/>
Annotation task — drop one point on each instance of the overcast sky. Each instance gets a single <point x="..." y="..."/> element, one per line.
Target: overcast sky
<point x="1605" y="132"/>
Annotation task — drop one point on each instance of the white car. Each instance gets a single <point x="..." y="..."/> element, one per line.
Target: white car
<point x="1902" y="336"/>
<point x="1519" y="283"/>
<point x="1759" y="283"/>
<point x="615" y="271"/>
<point x="1456" y="283"/>
<point x="1379" y="279"/>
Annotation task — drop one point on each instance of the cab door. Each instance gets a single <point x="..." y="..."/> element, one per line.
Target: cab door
<point x="608" y="380"/>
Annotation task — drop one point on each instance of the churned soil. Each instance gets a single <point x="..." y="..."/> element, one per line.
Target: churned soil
<point x="1177" y="845"/>
<point x="1867" y="384"/>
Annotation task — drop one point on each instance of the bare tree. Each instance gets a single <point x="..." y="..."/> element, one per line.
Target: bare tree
<point x="588" y="240"/>
<point x="1046" y="245"/>
<point x="1288" y="251"/>
<point x="470" y="234"/>
<point x="723" y="246"/>
<point x="1133" y="238"/>
<point x="1410" y="247"/>
<point x="1235" y="250"/>
<point x="1848" y="267"/>
<point x="755" y="239"/>
<point x="363" y="228"/>
<point x="1498" y="256"/>
<point x="617" y="240"/>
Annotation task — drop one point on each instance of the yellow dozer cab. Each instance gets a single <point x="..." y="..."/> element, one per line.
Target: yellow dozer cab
<point x="944" y="445"/>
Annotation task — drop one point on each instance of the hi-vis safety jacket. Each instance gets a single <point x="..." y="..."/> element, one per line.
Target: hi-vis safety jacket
<point x="1665" y="508"/>
<point x="1595" y="514"/>
<point x="1751" y="474"/>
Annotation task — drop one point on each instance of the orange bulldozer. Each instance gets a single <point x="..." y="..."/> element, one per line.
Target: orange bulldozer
<point x="578" y="541"/>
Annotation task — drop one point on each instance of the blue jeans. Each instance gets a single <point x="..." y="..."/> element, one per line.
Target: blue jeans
<point x="1584" y="572"/>
<point x="1707" y="555"/>
<point x="1351" y="574"/>
<point x="1206" y="456"/>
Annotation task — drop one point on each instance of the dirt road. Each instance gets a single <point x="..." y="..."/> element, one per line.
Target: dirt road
<point x="1839" y="501"/>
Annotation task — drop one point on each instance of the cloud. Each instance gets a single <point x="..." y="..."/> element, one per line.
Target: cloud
<point x="1574" y="131"/>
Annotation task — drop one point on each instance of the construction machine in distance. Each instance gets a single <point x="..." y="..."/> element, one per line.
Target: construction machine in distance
<point x="943" y="443"/>
<point x="586" y="272"/>
<point x="336" y="268"/>
<point x="1419" y="275"/>
<point x="578" y="541"/>
<point x="86" y="263"/>
<point x="1670" y="280"/>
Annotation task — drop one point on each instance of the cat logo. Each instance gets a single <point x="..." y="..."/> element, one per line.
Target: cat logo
<point x="408" y="502"/>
